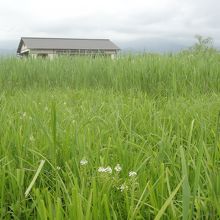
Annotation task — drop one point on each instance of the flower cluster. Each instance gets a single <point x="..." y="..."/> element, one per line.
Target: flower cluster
<point x="118" y="168"/>
<point x="83" y="162"/>
<point x="116" y="179"/>
<point x="107" y="169"/>
<point x="132" y="174"/>
<point x="123" y="187"/>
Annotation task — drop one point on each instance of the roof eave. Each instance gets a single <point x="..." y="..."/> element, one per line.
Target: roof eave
<point x="19" y="46"/>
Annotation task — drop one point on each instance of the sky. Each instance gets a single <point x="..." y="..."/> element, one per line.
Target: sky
<point x="150" y="25"/>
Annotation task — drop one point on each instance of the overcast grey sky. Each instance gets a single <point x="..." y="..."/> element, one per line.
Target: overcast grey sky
<point x="159" y="25"/>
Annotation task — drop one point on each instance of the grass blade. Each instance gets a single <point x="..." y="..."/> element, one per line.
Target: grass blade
<point x="168" y="201"/>
<point x="186" y="186"/>
<point x="34" y="178"/>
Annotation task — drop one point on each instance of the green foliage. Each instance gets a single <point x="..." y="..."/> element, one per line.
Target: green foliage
<point x="156" y="115"/>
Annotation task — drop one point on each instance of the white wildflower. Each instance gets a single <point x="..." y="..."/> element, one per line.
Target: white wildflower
<point x="118" y="168"/>
<point x="107" y="169"/>
<point x="123" y="187"/>
<point x="58" y="168"/>
<point x="83" y="162"/>
<point x="132" y="174"/>
<point x="101" y="169"/>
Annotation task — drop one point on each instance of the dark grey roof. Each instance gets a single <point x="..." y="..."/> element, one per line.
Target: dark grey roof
<point x="66" y="43"/>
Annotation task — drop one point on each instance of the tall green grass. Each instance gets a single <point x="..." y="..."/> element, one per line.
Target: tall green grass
<point x="153" y="74"/>
<point x="156" y="115"/>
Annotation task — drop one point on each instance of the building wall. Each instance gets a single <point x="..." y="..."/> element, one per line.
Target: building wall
<point x="24" y="47"/>
<point x="54" y="53"/>
<point x="42" y="51"/>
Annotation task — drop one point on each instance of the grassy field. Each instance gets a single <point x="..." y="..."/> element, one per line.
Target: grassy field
<point x="133" y="138"/>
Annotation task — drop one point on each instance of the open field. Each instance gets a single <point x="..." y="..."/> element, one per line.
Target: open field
<point x="156" y="115"/>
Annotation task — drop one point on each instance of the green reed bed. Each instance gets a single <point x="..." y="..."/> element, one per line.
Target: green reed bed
<point x="152" y="74"/>
<point x="131" y="138"/>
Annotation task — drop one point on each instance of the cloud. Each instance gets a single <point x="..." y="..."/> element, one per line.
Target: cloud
<point x="169" y="24"/>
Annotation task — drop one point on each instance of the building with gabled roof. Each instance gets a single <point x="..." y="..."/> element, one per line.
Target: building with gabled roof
<point x="52" y="47"/>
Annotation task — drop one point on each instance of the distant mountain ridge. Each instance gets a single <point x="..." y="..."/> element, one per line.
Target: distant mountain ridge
<point x="7" y="52"/>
